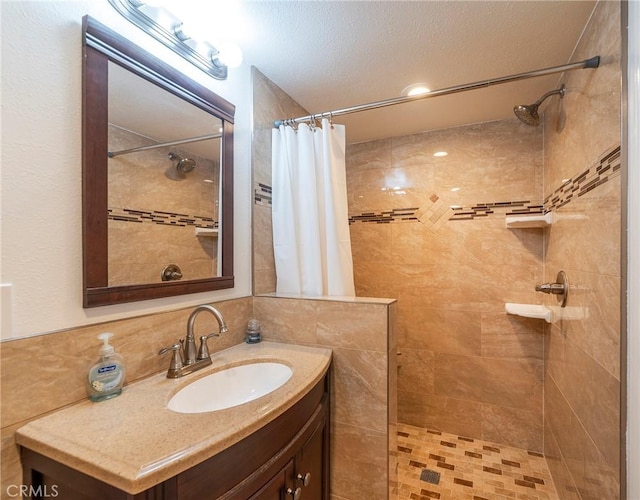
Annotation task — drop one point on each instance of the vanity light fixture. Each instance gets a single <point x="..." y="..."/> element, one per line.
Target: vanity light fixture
<point x="165" y="27"/>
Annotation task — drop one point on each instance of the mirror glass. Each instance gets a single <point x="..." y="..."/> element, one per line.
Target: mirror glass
<point x="162" y="200"/>
<point x="157" y="177"/>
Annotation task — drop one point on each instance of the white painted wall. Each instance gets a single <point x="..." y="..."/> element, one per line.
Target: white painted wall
<point x="633" y="338"/>
<point x="40" y="168"/>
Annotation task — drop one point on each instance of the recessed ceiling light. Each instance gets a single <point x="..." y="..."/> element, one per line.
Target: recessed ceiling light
<point x="415" y="89"/>
<point x="440" y="154"/>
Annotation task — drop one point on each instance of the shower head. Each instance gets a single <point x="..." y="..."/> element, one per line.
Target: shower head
<point x="184" y="165"/>
<point x="528" y="113"/>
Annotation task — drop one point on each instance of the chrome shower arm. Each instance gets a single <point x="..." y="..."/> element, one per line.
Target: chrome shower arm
<point x="562" y="91"/>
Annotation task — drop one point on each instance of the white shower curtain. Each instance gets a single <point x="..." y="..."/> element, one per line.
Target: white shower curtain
<point x="311" y="240"/>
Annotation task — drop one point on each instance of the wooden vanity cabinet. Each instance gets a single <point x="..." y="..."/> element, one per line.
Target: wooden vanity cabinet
<point x="273" y="463"/>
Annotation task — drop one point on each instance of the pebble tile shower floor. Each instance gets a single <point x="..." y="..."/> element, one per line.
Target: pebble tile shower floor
<point x="469" y="469"/>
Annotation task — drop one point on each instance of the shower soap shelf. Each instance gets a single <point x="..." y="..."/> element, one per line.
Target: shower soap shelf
<point x="203" y="231"/>
<point x="529" y="221"/>
<point x="529" y="311"/>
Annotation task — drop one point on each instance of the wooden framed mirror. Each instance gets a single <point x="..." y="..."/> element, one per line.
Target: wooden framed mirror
<point x="157" y="176"/>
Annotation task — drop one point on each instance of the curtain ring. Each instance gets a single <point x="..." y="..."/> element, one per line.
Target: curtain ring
<point x="331" y="119"/>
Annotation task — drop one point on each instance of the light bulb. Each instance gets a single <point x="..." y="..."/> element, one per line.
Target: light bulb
<point x="148" y="3"/>
<point x="418" y="91"/>
<point x="415" y="89"/>
<point x="229" y="54"/>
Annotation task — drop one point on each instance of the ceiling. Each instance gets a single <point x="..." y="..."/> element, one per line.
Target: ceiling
<point x="329" y="55"/>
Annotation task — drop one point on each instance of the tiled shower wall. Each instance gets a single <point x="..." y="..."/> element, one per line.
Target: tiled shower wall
<point x="150" y="228"/>
<point x="269" y="103"/>
<point x="582" y="357"/>
<point x="465" y="366"/>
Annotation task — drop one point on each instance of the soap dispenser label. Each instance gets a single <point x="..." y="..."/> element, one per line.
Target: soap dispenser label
<point x="107" y="369"/>
<point x="107" y="378"/>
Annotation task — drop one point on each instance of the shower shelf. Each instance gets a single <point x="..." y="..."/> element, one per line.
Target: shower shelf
<point x="529" y="311"/>
<point x="209" y="233"/>
<point x="529" y="221"/>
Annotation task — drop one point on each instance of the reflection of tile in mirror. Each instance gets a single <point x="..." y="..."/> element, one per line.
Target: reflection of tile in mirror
<point x="147" y="193"/>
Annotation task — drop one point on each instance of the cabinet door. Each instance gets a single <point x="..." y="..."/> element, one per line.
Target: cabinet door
<point x="312" y="465"/>
<point x="276" y="487"/>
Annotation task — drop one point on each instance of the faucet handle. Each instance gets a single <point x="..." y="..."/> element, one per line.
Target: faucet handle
<point x="560" y="288"/>
<point x="176" y="361"/>
<point x="203" y="351"/>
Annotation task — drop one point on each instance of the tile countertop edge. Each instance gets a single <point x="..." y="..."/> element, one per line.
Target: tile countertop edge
<point x="134" y="453"/>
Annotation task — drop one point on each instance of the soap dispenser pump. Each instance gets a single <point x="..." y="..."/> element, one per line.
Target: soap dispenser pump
<point x="106" y="377"/>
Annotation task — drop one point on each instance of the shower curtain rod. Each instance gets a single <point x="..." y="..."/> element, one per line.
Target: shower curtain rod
<point x="593" y="62"/>
<point x="112" y="154"/>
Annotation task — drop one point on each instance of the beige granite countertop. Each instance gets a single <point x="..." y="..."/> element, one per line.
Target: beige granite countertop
<point x="134" y="442"/>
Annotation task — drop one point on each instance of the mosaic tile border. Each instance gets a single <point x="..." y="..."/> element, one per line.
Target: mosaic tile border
<point x="497" y="208"/>
<point x="387" y="216"/>
<point x="160" y="217"/>
<point x="412" y="214"/>
<point x="607" y="167"/>
<point x="262" y="194"/>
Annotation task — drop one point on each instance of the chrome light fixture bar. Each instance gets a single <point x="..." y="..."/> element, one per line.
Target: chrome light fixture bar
<point x="167" y="29"/>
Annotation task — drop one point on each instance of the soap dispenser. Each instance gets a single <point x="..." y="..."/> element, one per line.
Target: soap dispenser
<point x="106" y="377"/>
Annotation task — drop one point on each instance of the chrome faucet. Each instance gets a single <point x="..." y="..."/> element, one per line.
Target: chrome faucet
<point x="189" y="346"/>
<point x="184" y="359"/>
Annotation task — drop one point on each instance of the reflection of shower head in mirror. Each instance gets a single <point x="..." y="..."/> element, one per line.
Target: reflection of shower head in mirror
<point x="184" y="165"/>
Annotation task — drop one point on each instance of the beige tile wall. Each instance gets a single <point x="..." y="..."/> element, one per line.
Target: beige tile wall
<point x="44" y="373"/>
<point x="269" y="103"/>
<point x="465" y="366"/>
<point x="138" y="252"/>
<point x="361" y="335"/>
<point x="582" y="358"/>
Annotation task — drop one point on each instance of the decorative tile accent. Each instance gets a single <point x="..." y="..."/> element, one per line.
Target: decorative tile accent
<point x="387" y="216"/>
<point x="435" y="215"/>
<point x="498" y="208"/>
<point x="262" y="195"/>
<point x="607" y="167"/>
<point x="473" y="470"/>
<point x="159" y="217"/>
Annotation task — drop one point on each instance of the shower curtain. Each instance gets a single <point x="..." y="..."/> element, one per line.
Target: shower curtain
<point x="311" y="241"/>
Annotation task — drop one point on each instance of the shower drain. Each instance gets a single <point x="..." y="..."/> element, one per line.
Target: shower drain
<point x="430" y="476"/>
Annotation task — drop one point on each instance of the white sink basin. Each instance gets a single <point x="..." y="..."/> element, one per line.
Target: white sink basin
<point x="230" y="387"/>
